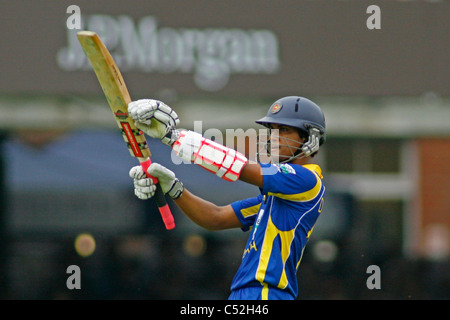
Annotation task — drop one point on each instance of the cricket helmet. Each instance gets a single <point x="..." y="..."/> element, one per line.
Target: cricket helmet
<point x="297" y="112"/>
<point x="300" y="113"/>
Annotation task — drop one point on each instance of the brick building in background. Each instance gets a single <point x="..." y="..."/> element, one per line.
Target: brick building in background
<point x="434" y="202"/>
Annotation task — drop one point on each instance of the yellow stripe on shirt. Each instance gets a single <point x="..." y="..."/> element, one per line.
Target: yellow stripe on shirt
<point x="303" y="196"/>
<point x="250" y="211"/>
<point x="286" y="238"/>
<point x="315" y="168"/>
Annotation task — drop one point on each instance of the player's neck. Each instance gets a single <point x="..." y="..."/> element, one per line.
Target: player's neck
<point x="302" y="161"/>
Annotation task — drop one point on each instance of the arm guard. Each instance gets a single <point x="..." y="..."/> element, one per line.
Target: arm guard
<point x="225" y="162"/>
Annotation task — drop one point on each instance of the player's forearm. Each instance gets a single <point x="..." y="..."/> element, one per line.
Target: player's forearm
<point x="206" y="214"/>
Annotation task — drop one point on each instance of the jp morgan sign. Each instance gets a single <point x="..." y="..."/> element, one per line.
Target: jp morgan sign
<point x="285" y="47"/>
<point x="211" y="55"/>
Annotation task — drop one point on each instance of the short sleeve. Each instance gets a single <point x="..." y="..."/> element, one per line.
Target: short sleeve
<point x="290" y="182"/>
<point x="247" y="210"/>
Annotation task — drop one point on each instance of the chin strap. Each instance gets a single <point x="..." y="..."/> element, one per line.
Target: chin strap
<point x="225" y="162"/>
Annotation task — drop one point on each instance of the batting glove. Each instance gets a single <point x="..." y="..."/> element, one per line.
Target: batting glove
<point x="153" y="117"/>
<point x="144" y="188"/>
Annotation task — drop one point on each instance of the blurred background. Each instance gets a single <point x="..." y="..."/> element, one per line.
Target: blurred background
<point x="64" y="167"/>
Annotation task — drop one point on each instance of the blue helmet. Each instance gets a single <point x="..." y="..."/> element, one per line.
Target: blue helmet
<point x="297" y="112"/>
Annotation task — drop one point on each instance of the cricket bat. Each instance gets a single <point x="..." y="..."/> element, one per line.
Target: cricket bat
<point x="118" y="97"/>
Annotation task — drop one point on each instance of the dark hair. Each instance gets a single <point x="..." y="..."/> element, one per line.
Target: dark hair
<point x="303" y="134"/>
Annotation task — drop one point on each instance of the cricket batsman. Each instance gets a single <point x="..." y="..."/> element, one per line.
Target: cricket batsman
<point x="280" y="219"/>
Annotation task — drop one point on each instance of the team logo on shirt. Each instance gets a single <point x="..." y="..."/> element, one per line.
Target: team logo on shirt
<point x="285" y="168"/>
<point x="251" y="246"/>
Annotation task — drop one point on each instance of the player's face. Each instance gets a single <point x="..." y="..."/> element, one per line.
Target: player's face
<point x="285" y="141"/>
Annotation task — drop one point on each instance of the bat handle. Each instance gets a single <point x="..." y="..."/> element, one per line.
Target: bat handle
<point x="163" y="207"/>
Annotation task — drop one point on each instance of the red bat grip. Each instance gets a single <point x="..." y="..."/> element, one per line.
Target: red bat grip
<point x="163" y="207"/>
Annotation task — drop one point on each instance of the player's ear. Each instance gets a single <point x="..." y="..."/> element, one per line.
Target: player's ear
<point x="302" y="136"/>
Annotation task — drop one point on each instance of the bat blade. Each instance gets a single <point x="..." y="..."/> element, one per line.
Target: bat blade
<point x="118" y="97"/>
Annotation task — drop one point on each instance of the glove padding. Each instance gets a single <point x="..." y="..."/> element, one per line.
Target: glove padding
<point x="144" y="188"/>
<point x="153" y="117"/>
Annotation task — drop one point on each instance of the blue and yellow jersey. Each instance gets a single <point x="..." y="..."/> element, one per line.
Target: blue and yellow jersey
<point x="280" y="221"/>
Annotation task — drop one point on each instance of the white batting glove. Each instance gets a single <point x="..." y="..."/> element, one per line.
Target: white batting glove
<point x="153" y="117"/>
<point x="145" y="189"/>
